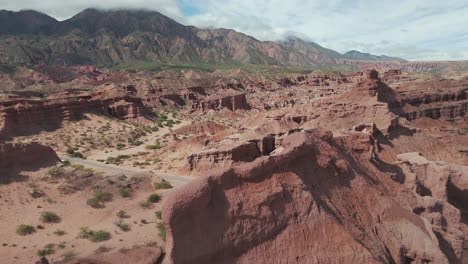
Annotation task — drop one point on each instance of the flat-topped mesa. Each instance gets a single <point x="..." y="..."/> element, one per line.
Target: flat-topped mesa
<point x="24" y="117"/>
<point x="321" y="199"/>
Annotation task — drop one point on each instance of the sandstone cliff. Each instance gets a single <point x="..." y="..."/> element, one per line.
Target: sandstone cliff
<point x="322" y="199"/>
<point x="16" y="158"/>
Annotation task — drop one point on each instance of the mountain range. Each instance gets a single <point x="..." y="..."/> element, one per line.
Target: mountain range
<point x="114" y="37"/>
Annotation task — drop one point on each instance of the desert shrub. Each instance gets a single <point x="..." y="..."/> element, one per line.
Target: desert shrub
<point x="68" y="255"/>
<point x="136" y="143"/>
<point x="162" y="231"/>
<point x="158" y="214"/>
<point x="48" y="250"/>
<point x="49" y="217"/>
<point x="123" y="226"/>
<point x="59" y="232"/>
<point x="66" y="163"/>
<point x="95" y="203"/>
<point x="122" y="214"/>
<point x="117" y="160"/>
<point x="75" y="154"/>
<point x="95" y="236"/>
<point x="23" y="230"/>
<point x="89" y="170"/>
<point x="124" y="193"/>
<point x="154" y="198"/>
<point x="153" y="147"/>
<point x="55" y="171"/>
<point x="120" y="145"/>
<point x="145" y="204"/>
<point x="162" y="185"/>
<point x="151" y="244"/>
<point x="102" y="249"/>
<point x="99" y="198"/>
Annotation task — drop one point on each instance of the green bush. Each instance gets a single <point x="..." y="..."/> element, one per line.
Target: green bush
<point x="95" y="236"/>
<point x="95" y="203"/>
<point x="55" y="171"/>
<point x="48" y="250"/>
<point x="162" y="231"/>
<point x="49" y="217"/>
<point x="158" y="215"/>
<point x="68" y="255"/>
<point x="99" y="198"/>
<point x="124" y="193"/>
<point x="162" y="185"/>
<point x="154" y="198"/>
<point x="23" y="230"/>
<point x="123" y="226"/>
<point x="153" y="147"/>
<point x="122" y="214"/>
<point x="60" y="232"/>
<point x="120" y="145"/>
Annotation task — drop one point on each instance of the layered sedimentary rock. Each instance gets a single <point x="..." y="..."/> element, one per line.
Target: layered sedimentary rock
<point x="445" y="104"/>
<point x="15" y="158"/>
<point x="322" y="199"/>
<point x="438" y="179"/>
<point x="24" y="117"/>
<point x="223" y="156"/>
<point x="231" y="102"/>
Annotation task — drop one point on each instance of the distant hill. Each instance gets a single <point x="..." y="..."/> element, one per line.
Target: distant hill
<point x="108" y="38"/>
<point x="356" y="55"/>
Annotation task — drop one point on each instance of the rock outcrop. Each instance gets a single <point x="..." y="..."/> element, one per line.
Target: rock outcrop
<point x="29" y="116"/>
<point x="223" y="156"/>
<point x="231" y="102"/>
<point x="15" y="158"/>
<point x="438" y="179"/>
<point x="321" y="199"/>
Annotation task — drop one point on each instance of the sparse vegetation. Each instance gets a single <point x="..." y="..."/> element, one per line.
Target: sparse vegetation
<point x="151" y="244"/>
<point x="68" y="255"/>
<point x="23" y="229"/>
<point x="124" y="193"/>
<point x="55" y="171"/>
<point x="158" y="214"/>
<point x="95" y="236"/>
<point x="162" y="231"/>
<point x="75" y="154"/>
<point x="103" y="249"/>
<point x="123" y="226"/>
<point x="99" y="198"/>
<point x="49" y="217"/>
<point x="117" y="160"/>
<point x="59" y="232"/>
<point x="122" y="214"/>
<point x="154" y="198"/>
<point x="162" y="185"/>
<point x="48" y="250"/>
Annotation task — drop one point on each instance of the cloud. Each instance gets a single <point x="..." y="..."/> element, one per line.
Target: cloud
<point x="413" y="29"/>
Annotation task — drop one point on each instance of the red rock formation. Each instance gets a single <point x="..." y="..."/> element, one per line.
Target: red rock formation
<point x="323" y="199"/>
<point x="231" y="102"/>
<point x="15" y="158"/>
<point x="200" y="128"/>
<point x="24" y="117"/>
<point x="441" y="180"/>
<point x="223" y="156"/>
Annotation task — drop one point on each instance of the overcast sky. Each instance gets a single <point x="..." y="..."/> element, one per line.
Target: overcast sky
<point x="411" y="29"/>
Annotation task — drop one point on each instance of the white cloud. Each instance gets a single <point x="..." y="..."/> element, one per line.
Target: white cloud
<point x="413" y="29"/>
